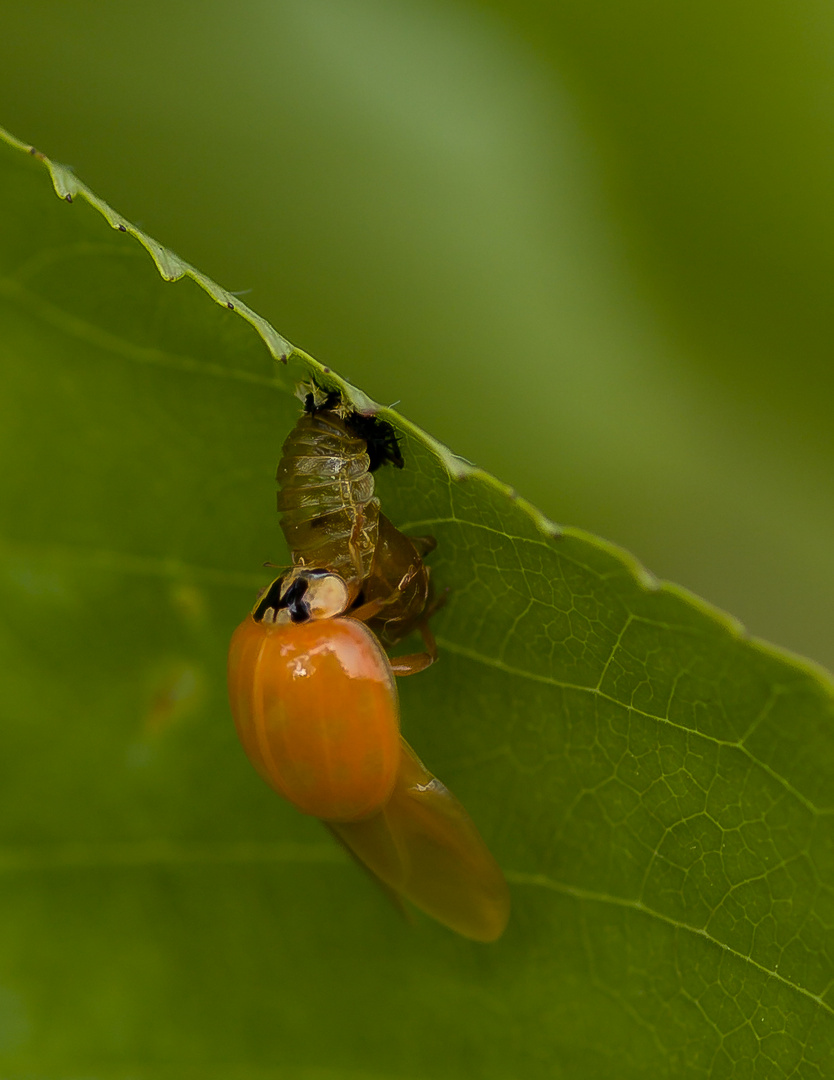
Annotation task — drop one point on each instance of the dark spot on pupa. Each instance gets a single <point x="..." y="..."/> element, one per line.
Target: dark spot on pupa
<point x="381" y="439"/>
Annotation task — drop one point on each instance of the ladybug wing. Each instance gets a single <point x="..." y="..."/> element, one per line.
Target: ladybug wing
<point x="424" y="846"/>
<point x="392" y="894"/>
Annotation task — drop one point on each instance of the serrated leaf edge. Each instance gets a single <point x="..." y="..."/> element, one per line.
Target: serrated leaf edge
<point x="172" y="268"/>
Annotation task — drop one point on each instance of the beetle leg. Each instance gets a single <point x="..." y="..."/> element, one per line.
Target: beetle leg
<point x="414" y="662"/>
<point x="367" y="611"/>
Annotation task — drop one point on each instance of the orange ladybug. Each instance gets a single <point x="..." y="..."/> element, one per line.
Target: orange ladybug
<point x="314" y="700"/>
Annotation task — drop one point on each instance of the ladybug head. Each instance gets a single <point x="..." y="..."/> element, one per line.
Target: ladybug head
<point x="301" y="595"/>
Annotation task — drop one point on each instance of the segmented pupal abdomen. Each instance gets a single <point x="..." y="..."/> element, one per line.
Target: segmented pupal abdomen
<point x="329" y="514"/>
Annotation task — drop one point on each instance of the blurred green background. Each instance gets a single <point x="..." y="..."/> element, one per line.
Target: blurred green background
<point x="588" y="245"/>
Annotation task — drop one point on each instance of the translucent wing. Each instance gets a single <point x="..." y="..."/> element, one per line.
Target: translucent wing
<point x="424" y="847"/>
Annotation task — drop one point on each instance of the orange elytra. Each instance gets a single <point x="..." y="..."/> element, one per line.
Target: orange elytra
<point x="314" y="699"/>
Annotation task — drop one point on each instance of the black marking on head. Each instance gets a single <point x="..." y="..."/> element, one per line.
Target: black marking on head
<point x="270" y="599"/>
<point x="293" y="601"/>
<point x="276" y="598"/>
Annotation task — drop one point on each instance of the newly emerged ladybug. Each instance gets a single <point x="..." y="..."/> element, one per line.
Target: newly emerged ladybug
<point x="331" y="518"/>
<point x="315" y="703"/>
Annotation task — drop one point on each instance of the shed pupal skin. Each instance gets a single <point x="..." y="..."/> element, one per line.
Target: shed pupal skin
<point x="331" y="517"/>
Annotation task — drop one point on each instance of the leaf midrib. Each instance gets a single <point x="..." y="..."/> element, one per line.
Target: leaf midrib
<point x="97" y="856"/>
<point x="545" y="882"/>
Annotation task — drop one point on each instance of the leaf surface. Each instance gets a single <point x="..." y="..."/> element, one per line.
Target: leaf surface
<point x="658" y="788"/>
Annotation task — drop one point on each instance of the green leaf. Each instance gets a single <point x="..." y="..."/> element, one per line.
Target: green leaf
<point x="657" y="787"/>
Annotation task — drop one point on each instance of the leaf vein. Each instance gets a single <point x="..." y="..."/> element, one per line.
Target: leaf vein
<point x="549" y="680"/>
<point x="545" y="882"/>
